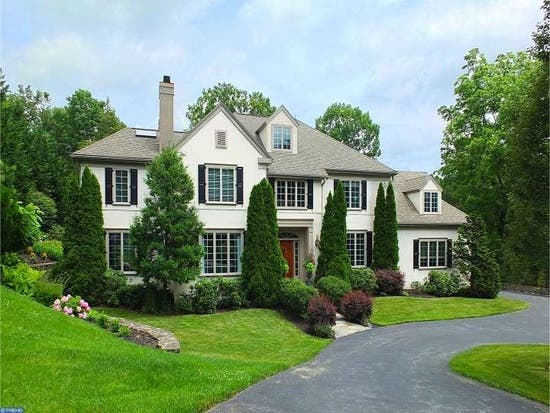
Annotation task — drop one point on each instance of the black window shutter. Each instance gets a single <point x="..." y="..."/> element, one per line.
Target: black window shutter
<point x="239" y="185"/>
<point x="369" y="248"/>
<point x="108" y="185"/>
<point x="310" y="194"/>
<point x="363" y="194"/>
<point x="415" y="253"/>
<point x="202" y="184"/>
<point x="133" y="187"/>
<point x="272" y="182"/>
<point x="336" y="184"/>
<point x="449" y="253"/>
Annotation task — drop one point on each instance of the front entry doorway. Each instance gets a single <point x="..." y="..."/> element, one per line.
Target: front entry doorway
<point x="287" y="247"/>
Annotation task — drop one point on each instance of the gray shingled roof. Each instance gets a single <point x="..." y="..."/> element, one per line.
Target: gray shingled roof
<point x="317" y="154"/>
<point x="123" y="146"/>
<point x="407" y="214"/>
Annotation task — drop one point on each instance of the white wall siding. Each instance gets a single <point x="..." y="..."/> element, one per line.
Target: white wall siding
<point x="406" y="236"/>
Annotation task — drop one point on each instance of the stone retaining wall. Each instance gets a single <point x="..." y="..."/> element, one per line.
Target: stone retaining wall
<point x="526" y="289"/>
<point x="163" y="339"/>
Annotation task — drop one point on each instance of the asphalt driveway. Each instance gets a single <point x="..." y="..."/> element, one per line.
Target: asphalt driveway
<point x="402" y="368"/>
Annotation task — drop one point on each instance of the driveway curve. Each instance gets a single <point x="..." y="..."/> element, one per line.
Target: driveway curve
<point x="402" y="368"/>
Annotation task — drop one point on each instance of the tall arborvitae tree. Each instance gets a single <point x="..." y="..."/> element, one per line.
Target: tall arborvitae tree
<point x="475" y="259"/>
<point x="326" y="244"/>
<point x="333" y="256"/>
<point x="166" y="234"/>
<point x="379" y="247"/>
<point x="84" y="261"/>
<point x="262" y="258"/>
<point x="390" y="218"/>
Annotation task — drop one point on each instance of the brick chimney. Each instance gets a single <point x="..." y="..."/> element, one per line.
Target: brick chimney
<point x="166" y="113"/>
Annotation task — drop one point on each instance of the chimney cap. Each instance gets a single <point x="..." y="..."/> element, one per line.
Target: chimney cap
<point x="166" y="79"/>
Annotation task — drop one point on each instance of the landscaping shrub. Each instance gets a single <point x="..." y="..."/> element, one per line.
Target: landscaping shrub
<point x="389" y="282"/>
<point x="131" y="296"/>
<point x="10" y="259"/>
<point x="52" y="248"/>
<point x="333" y="287"/>
<point x="46" y="292"/>
<point x="321" y="314"/>
<point x="363" y="279"/>
<point x="295" y="296"/>
<point x="230" y="293"/>
<point x="204" y="296"/>
<point x="356" y="306"/>
<point x="72" y="306"/>
<point x="157" y="300"/>
<point x="115" y="283"/>
<point x="441" y="284"/>
<point x="21" y="278"/>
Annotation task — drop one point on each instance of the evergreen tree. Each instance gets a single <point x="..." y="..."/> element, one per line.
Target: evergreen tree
<point x="379" y="248"/>
<point x="475" y="259"/>
<point x="262" y="259"/>
<point x="333" y="256"/>
<point x="166" y="234"/>
<point x="390" y="228"/>
<point x="326" y="249"/>
<point x="84" y="261"/>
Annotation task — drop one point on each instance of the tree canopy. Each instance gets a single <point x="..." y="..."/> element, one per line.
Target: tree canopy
<point x="352" y="126"/>
<point x="236" y="100"/>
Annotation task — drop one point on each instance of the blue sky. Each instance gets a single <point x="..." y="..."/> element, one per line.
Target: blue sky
<point x="396" y="59"/>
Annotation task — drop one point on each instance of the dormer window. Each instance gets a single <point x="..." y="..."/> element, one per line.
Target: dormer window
<point x="431" y="202"/>
<point x="282" y="137"/>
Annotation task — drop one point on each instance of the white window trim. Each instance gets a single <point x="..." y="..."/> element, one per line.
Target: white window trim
<point x="438" y="202"/>
<point x="114" y="186"/>
<point x="218" y="166"/>
<point x="360" y="193"/>
<point x="429" y="267"/>
<point x="222" y="231"/>
<point x="273" y="140"/>
<point x="355" y="247"/>
<point x="121" y="232"/>
<point x="296" y="193"/>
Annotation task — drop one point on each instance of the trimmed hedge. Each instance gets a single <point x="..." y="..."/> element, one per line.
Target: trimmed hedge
<point x="363" y="279"/>
<point x="333" y="287"/>
<point x="295" y="296"/>
<point x="356" y="307"/>
<point x="390" y="282"/>
<point x="441" y="284"/>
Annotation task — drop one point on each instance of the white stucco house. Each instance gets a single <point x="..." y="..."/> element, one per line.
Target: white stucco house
<point x="228" y="153"/>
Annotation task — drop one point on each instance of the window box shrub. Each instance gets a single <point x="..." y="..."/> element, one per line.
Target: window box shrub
<point x="230" y="293"/>
<point x="295" y="296"/>
<point x="356" y="307"/>
<point x="441" y="284"/>
<point x="363" y="279"/>
<point x="333" y="287"/>
<point x="389" y="282"/>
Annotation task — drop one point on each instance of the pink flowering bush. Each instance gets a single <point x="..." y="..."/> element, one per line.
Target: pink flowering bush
<point x="72" y="306"/>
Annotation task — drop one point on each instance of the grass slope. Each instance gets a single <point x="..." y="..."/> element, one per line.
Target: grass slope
<point x="51" y="362"/>
<point x="517" y="368"/>
<point x="397" y="310"/>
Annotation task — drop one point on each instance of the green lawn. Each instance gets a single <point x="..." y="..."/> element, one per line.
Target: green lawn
<point x="397" y="310"/>
<point x="51" y="362"/>
<point x="517" y="368"/>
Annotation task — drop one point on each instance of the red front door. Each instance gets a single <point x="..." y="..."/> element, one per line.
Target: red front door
<point x="288" y="254"/>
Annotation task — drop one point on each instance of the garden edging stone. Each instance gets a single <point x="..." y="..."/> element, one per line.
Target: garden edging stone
<point x="164" y="339"/>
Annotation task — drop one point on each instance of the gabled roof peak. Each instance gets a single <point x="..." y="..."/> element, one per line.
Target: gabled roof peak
<point x="283" y="109"/>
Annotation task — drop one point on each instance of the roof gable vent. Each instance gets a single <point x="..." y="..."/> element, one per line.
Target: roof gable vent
<point x="221" y="139"/>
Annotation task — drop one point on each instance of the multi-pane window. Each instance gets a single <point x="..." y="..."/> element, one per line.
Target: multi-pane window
<point x="221" y="184"/>
<point x="356" y="248"/>
<point x="119" y="250"/>
<point x="282" y="136"/>
<point x="291" y="194"/>
<point x="222" y="252"/>
<point x="352" y="191"/>
<point x="121" y="186"/>
<point x="433" y="253"/>
<point x="431" y="202"/>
